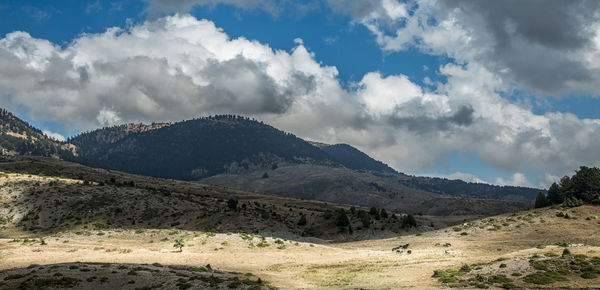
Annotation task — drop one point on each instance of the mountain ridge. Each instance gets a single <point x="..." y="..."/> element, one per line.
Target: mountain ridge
<point x="238" y="152"/>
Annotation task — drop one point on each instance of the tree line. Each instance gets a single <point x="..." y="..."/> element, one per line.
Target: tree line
<point x="581" y="188"/>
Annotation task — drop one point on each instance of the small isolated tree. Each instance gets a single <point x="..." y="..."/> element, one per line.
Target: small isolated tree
<point x="232" y="203"/>
<point x="179" y="244"/>
<point x="541" y="200"/>
<point x="302" y="221"/>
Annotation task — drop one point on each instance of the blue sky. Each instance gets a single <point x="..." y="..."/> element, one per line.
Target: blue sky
<point x="447" y="59"/>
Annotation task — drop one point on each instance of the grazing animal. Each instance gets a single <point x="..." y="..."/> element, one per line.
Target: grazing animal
<point x="399" y="252"/>
<point x="447" y="252"/>
<point x="405" y="246"/>
<point x="447" y="245"/>
<point x="409" y="252"/>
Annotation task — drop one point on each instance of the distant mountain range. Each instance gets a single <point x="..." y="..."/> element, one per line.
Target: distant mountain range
<point x="247" y="154"/>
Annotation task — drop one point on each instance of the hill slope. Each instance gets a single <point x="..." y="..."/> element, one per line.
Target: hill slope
<point x="354" y="159"/>
<point x="43" y="195"/>
<point x="18" y="137"/>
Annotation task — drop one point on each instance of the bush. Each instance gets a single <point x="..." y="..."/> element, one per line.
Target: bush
<point x="572" y="202"/>
<point x="465" y="268"/>
<point x="544" y="278"/>
<point x="589" y="275"/>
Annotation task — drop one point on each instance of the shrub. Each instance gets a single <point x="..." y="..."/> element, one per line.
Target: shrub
<point x="544" y="278"/>
<point x="465" y="268"/>
<point x="179" y="244"/>
<point x="572" y="202"/>
<point x="589" y="275"/>
<point x="262" y="244"/>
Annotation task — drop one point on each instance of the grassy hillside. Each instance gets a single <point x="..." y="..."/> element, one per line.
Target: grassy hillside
<point x="41" y="196"/>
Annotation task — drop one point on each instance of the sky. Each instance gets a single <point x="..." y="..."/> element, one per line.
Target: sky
<point x="501" y="92"/>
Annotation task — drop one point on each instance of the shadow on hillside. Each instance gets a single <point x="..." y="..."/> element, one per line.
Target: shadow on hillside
<point x="91" y="198"/>
<point x="90" y="275"/>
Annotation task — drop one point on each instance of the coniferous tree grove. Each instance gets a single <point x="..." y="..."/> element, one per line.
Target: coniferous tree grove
<point x="583" y="187"/>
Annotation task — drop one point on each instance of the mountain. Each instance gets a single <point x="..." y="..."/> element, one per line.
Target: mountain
<point x="193" y="149"/>
<point x="459" y="188"/>
<point x="245" y="154"/>
<point x="354" y="159"/>
<point x="18" y="137"/>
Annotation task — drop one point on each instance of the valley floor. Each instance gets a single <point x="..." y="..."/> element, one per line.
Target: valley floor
<point x="505" y="245"/>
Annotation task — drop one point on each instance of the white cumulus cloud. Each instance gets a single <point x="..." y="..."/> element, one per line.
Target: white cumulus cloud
<point x="179" y="67"/>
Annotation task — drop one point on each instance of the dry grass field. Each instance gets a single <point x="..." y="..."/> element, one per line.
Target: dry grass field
<point x="505" y="245"/>
<point x="42" y="246"/>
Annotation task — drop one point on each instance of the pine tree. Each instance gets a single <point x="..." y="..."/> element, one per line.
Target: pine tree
<point x="541" y="200"/>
